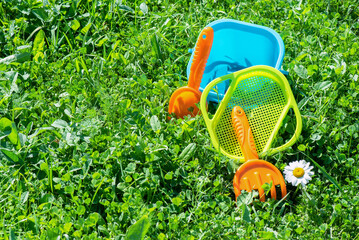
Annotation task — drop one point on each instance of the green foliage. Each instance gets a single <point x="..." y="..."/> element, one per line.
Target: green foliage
<point x="87" y="150"/>
<point x="138" y="230"/>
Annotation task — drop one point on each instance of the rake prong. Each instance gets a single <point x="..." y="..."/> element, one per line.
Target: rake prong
<point x="273" y="192"/>
<point x="283" y="189"/>
<point x="259" y="186"/>
<point x="247" y="184"/>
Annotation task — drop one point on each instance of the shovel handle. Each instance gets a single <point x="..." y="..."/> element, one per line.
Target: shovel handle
<point x="244" y="133"/>
<point x="201" y="54"/>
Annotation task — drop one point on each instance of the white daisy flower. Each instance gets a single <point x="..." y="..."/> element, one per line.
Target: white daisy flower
<point x="298" y="172"/>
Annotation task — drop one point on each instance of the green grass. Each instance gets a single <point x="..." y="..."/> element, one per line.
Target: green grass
<point x="86" y="147"/>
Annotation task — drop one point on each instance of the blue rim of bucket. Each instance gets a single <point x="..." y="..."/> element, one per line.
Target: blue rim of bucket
<point x="216" y="97"/>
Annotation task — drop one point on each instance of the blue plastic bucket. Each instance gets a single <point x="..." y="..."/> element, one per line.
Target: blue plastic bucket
<point x="238" y="45"/>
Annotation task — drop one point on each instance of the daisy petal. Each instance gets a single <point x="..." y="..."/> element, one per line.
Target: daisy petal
<point x="291" y="178"/>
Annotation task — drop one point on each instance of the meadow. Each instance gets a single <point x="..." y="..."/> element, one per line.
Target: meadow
<point x="86" y="147"/>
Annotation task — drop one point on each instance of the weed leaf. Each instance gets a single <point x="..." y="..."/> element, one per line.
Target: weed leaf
<point x="322" y="85"/>
<point x="301" y="71"/>
<point x="59" y="123"/>
<point x="9" y="155"/>
<point x="86" y="28"/>
<point x="188" y="152"/>
<point x="138" y="230"/>
<point x="41" y="130"/>
<point x="20" y="58"/>
<point x="246" y="198"/>
<point x="24" y="197"/>
<point x="41" y="14"/>
<point x="126" y="8"/>
<point x="5" y="126"/>
<point x="155" y="123"/>
<point x="39" y="42"/>
<point x="75" y="24"/>
<point x="39" y="56"/>
<point x="245" y="213"/>
<point x="5" y="133"/>
<point x="144" y="8"/>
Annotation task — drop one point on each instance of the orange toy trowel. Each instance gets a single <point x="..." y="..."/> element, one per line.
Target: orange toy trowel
<point x="183" y="101"/>
<point x="253" y="173"/>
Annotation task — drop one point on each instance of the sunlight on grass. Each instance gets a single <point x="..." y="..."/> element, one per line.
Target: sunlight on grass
<point x="87" y="150"/>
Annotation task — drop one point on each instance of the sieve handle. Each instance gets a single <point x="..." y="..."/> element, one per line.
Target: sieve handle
<point x="203" y="101"/>
<point x="267" y="150"/>
<point x="298" y="130"/>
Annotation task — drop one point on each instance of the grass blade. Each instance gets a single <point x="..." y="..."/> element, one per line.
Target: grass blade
<point x="155" y="46"/>
<point x="332" y="180"/>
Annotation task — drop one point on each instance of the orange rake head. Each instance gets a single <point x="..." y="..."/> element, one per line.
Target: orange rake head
<point x="254" y="172"/>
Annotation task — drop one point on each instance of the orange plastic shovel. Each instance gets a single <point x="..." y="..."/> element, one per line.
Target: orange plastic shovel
<point x="183" y="100"/>
<point x="253" y="173"/>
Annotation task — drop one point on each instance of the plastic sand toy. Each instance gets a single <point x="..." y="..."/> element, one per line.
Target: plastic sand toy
<point x="265" y="96"/>
<point x="252" y="174"/>
<point x="183" y="101"/>
<point x="238" y="45"/>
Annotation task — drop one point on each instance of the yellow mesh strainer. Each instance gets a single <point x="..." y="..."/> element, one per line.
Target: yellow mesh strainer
<point x="265" y="96"/>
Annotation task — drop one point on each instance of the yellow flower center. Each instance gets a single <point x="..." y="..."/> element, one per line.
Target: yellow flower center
<point x="298" y="172"/>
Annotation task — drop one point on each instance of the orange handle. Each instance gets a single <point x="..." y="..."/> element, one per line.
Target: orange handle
<point x="244" y="133"/>
<point x="201" y="53"/>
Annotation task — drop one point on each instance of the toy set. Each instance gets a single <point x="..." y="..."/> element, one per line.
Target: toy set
<point x="236" y="65"/>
